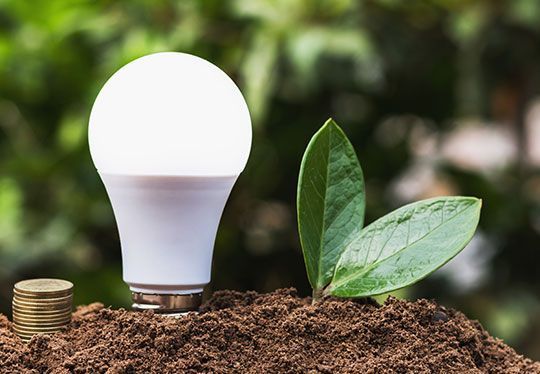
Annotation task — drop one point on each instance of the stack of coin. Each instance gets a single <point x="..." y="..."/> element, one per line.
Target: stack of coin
<point x="41" y="306"/>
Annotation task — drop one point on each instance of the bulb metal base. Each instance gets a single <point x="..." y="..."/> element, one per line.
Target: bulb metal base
<point x="168" y="304"/>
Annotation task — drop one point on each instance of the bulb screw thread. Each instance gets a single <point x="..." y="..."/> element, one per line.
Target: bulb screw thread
<point x="168" y="304"/>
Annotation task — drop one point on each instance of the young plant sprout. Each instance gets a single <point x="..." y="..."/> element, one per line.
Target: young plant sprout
<point x="345" y="259"/>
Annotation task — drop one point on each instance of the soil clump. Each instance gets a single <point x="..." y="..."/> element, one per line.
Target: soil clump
<point x="275" y="332"/>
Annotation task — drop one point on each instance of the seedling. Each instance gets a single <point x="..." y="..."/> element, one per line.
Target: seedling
<point x="345" y="259"/>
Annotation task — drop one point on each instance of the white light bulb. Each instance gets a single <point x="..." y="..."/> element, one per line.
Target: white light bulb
<point x="169" y="134"/>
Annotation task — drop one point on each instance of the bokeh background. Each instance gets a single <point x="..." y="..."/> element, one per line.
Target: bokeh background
<point x="438" y="97"/>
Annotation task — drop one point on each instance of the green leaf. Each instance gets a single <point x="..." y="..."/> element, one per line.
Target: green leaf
<point x="330" y="201"/>
<point x="405" y="246"/>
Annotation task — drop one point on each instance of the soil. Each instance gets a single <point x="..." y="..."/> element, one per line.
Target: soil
<point x="276" y="332"/>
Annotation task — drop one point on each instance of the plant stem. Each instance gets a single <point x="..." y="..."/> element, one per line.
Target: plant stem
<point x="317" y="294"/>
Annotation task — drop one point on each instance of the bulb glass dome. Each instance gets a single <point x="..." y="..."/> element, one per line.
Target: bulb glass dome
<point x="170" y="114"/>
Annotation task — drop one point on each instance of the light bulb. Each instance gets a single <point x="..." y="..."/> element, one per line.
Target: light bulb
<point x="169" y="134"/>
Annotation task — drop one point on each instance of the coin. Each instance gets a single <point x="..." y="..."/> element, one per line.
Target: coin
<point x="44" y="286"/>
<point x="41" y="306"/>
<point x="33" y="329"/>
<point x="42" y="321"/>
<point x="45" y="302"/>
<point x="29" y="329"/>
<point x="42" y="317"/>
<point x="39" y="324"/>
<point x="59" y="323"/>
<point x="41" y="313"/>
<point x="42" y="299"/>
<point x="26" y="336"/>
<point x="33" y="315"/>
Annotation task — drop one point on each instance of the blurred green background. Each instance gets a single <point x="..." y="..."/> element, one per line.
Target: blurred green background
<point x="438" y="97"/>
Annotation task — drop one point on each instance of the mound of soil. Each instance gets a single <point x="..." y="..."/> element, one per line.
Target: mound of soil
<point x="276" y="332"/>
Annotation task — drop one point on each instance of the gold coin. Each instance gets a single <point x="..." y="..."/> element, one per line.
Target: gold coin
<point x="36" y="304"/>
<point x="43" y="299"/>
<point x="44" y="318"/>
<point x="29" y="333"/>
<point x="67" y="301"/>
<point x="39" y="319"/>
<point x="44" y="286"/>
<point x="58" y="314"/>
<point x="33" y="330"/>
<point x="42" y="313"/>
<point x="48" y="297"/>
<point x="62" y="322"/>
<point x="40" y="324"/>
<point x="41" y="308"/>
<point x="64" y="314"/>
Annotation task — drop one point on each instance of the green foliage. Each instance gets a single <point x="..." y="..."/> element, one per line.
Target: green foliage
<point x="405" y="246"/>
<point x="395" y="251"/>
<point x="330" y="201"/>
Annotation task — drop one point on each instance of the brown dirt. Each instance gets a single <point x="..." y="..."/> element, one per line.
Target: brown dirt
<point x="276" y="332"/>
